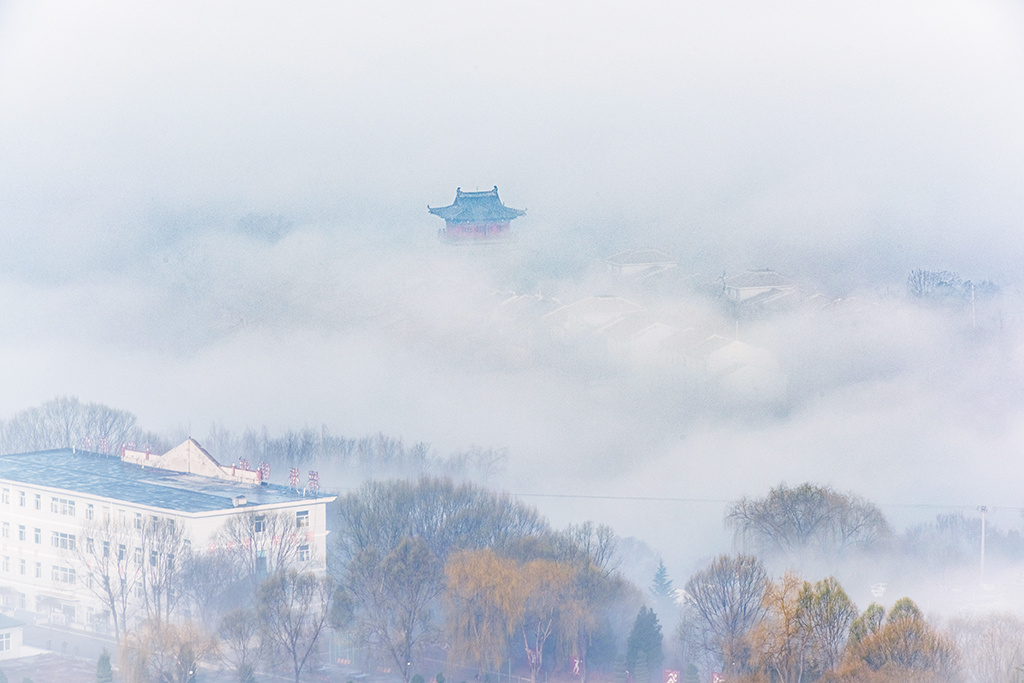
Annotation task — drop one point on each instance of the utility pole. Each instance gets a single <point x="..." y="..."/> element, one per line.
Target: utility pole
<point x="984" y="510"/>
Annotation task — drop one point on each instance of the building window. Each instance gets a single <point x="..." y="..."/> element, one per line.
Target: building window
<point x="261" y="562"/>
<point x="38" y="535"/>
<point x="138" y="520"/>
<point x="6" y="497"/>
<point x="88" y="511"/>
<point x="302" y="518"/>
<point x="138" y="556"/>
<point x="22" y="565"/>
<point x="65" y="541"/>
<point x="6" y="530"/>
<point x="39" y="570"/>
<point x="21" y="532"/>
<point x="304" y="553"/>
<point x="21" y="498"/>
<point x="122" y="552"/>
<point x="260" y="523"/>
<point x="152" y="558"/>
<point x="39" y="501"/>
<point x="63" y="574"/>
<point x="106" y="548"/>
<point x="7" y="564"/>
<point x="63" y="506"/>
<point x="90" y="547"/>
<point x="5" y="642"/>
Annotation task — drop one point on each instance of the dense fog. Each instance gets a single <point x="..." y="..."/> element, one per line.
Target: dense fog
<point x="215" y="217"/>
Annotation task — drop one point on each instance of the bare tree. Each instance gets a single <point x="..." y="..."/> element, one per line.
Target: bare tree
<point x="294" y="608"/>
<point x="165" y="560"/>
<point x="594" y="544"/>
<point x="136" y="566"/>
<point x="239" y="631"/>
<point x="992" y="647"/>
<point x="261" y="544"/>
<point x="212" y="587"/>
<point x="447" y="516"/>
<point x="105" y="559"/>
<point x="66" y="422"/>
<point x="729" y="597"/>
<point x="926" y="283"/>
<point x="392" y="596"/>
<point x="808" y="518"/>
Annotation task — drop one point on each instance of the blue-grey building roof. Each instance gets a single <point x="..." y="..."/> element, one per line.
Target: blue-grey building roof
<point x="7" y="622"/>
<point x="474" y="207"/>
<point x="107" y="476"/>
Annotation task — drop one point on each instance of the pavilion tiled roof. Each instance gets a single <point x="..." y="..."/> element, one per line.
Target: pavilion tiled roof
<point x="475" y="207"/>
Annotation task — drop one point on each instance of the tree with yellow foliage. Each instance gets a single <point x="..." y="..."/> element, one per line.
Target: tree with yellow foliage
<point x="905" y="648"/>
<point x="492" y="599"/>
<point x="484" y="603"/>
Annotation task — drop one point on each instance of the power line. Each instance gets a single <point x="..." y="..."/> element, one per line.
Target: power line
<point x="633" y="498"/>
<point x="671" y="499"/>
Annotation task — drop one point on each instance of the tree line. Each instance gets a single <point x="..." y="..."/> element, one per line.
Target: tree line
<point x="738" y="621"/>
<point x="437" y="569"/>
<point x="67" y="422"/>
<point x="432" y="575"/>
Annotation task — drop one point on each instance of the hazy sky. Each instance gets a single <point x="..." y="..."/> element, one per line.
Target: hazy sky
<point x="217" y="212"/>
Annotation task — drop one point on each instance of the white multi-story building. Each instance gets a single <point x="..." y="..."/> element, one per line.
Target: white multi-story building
<point x="48" y="498"/>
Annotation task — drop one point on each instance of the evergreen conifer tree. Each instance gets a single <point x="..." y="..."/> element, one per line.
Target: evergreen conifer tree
<point x="643" y="647"/>
<point x="661" y="588"/>
<point x="104" y="672"/>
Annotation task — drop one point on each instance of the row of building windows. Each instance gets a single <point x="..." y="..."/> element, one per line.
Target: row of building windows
<point x="60" y="506"/>
<point x="60" y="540"/>
<point x="37" y="533"/>
<point x="301" y="521"/>
<point x="60" y="574"/>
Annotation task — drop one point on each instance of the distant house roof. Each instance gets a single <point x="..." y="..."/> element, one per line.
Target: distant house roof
<point x="758" y="278"/>
<point x="710" y="345"/>
<point x="641" y="257"/>
<point x="594" y="311"/>
<point x="476" y="207"/>
<point x="526" y="305"/>
<point x="108" y="476"/>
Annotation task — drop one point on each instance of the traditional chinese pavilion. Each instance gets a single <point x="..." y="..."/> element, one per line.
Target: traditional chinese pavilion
<point x="475" y="217"/>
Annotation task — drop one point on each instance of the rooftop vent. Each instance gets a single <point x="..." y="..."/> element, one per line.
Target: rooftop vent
<point x="238" y="501"/>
